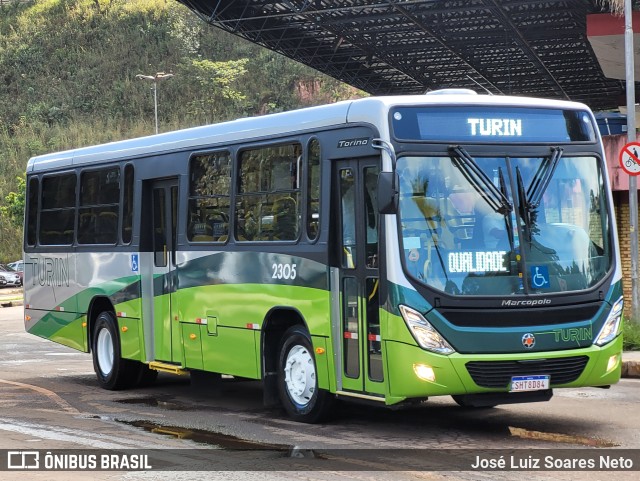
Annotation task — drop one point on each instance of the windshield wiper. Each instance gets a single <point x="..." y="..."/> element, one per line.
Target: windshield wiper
<point x="529" y="201"/>
<point x="528" y="213"/>
<point x="495" y="197"/>
<point x="507" y="218"/>
<point x="523" y="208"/>
<point x="542" y="178"/>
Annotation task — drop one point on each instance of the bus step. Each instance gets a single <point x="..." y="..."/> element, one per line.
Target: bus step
<point x="166" y="367"/>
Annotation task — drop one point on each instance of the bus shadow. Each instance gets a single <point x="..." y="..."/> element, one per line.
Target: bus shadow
<point x="439" y="421"/>
<point x="501" y="424"/>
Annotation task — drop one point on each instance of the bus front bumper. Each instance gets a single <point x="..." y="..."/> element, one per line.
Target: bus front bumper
<point x="416" y="373"/>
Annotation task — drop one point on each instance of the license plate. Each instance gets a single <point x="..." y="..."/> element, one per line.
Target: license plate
<point x="529" y="383"/>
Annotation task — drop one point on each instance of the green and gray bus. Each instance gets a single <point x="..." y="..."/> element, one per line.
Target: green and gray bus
<point x="381" y="249"/>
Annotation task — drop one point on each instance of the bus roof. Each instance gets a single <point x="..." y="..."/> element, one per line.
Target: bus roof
<point x="340" y="113"/>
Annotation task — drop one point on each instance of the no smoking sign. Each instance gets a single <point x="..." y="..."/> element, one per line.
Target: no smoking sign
<point x="630" y="158"/>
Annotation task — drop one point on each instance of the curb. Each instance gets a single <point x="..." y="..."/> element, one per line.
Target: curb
<point x="17" y="302"/>
<point x="631" y="369"/>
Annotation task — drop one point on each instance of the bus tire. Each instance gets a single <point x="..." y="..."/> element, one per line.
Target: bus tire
<point x="112" y="371"/>
<point x="297" y="379"/>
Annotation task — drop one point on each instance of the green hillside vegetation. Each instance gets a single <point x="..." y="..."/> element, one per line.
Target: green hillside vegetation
<point x="68" y="79"/>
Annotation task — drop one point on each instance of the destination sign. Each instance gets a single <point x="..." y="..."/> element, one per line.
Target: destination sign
<point x="463" y="262"/>
<point x="492" y="124"/>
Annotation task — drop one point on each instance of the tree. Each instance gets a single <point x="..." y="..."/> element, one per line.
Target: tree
<point x="220" y="98"/>
<point x="13" y="210"/>
<point x="11" y="219"/>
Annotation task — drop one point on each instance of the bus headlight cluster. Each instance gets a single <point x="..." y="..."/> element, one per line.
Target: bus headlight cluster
<point x="611" y="327"/>
<point x="424" y="333"/>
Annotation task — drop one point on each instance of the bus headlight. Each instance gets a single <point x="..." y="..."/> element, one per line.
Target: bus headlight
<point x="611" y="327"/>
<point x="424" y="333"/>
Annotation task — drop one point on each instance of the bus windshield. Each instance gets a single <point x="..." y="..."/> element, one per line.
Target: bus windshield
<point x="520" y="225"/>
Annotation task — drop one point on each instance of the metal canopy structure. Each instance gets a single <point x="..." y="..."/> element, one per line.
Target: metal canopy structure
<point x="521" y="47"/>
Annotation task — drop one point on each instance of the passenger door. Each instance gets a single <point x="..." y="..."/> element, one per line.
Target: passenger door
<point x="359" y="347"/>
<point x="164" y="214"/>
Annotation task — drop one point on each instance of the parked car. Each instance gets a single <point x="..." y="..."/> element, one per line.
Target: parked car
<point x="17" y="266"/>
<point x="11" y="277"/>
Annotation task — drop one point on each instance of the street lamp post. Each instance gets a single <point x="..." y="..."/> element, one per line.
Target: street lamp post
<point x="155" y="79"/>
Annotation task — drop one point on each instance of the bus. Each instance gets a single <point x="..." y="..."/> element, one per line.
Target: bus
<point x="382" y="250"/>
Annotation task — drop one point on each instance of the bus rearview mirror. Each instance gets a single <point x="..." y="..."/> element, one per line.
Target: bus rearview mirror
<point x="387" y="193"/>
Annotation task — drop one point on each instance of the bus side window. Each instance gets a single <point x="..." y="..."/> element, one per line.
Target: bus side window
<point x="127" y="205"/>
<point x="268" y="200"/>
<point x="57" y="216"/>
<point x="313" y="190"/>
<point x="209" y="187"/>
<point x="98" y="210"/>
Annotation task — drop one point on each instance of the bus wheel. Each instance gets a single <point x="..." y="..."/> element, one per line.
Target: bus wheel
<point x="112" y="371"/>
<point x="297" y="378"/>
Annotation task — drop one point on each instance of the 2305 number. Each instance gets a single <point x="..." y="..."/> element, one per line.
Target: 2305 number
<point x="284" y="271"/>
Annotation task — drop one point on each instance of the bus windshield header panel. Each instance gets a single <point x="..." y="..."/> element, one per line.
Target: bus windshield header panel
<point x="491" y="124"/>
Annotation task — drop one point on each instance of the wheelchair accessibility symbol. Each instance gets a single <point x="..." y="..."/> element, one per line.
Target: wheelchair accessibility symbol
<point x="540" y="277"/>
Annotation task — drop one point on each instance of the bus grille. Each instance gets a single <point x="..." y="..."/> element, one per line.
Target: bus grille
<point x="498" y="374"/>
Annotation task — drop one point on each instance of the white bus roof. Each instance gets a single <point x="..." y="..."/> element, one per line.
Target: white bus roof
<point x="340" y="113"/>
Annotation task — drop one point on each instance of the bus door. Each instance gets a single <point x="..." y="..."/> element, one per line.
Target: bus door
<point x="164" y="211"/>
<point x="358" y="344"/>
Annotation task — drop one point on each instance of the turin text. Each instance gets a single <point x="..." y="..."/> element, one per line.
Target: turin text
<point x="496" y="127"/>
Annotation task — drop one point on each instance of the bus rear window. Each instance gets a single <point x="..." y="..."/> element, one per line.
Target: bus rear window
<point x="32" y="212"/>
<point x="492" y="124"/>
